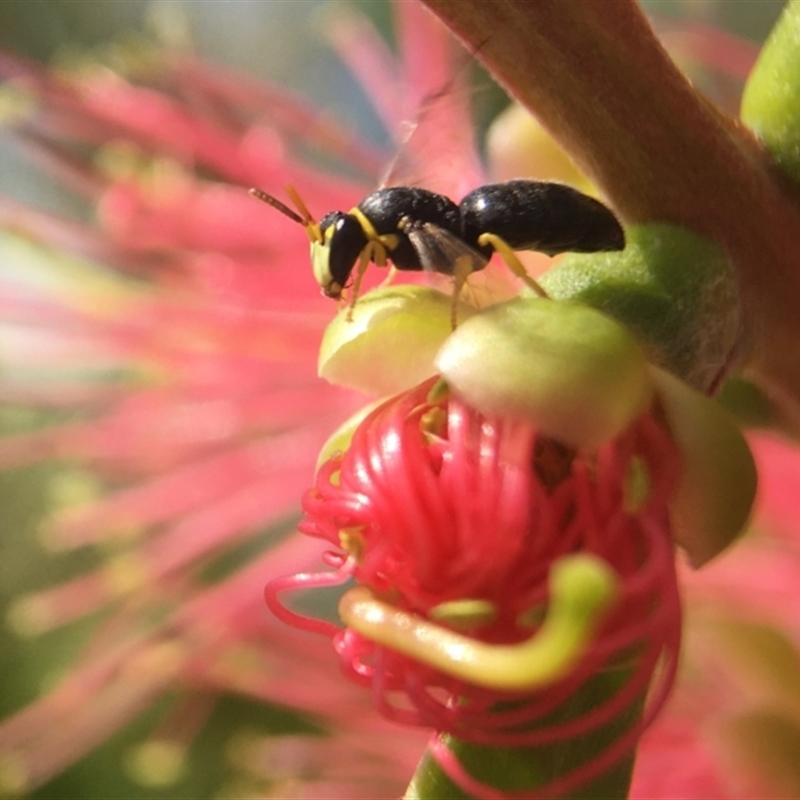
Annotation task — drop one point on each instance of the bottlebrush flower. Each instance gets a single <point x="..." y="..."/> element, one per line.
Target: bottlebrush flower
<point x="508" y="557"/>
<point x="464" y="531"/>
<point x="217" y="423"/>
<point x="734" y="710"/>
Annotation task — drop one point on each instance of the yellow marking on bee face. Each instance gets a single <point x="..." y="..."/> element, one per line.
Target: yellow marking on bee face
<point x="320" y="265"/>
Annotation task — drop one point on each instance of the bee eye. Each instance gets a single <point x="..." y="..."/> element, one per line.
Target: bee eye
<point x="345" y="243"/>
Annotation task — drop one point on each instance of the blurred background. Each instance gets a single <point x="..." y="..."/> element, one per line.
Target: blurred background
<point x="278" y="41"/>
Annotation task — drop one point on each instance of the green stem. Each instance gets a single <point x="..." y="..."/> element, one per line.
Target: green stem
<point x="520" y="769"/>
<point x="598" y="79"/>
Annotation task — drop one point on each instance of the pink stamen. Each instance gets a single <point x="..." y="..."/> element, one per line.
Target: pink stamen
<point x="468" y="512"/>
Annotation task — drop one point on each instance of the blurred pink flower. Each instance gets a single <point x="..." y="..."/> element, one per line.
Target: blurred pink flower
<point x="183" y="329"/>
<point x="181" y="332"/>
<point x="732" y="726"/>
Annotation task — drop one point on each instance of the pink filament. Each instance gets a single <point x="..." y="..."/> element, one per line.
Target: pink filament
<point x="304" y="581"/>
<point x="462" y="509"/>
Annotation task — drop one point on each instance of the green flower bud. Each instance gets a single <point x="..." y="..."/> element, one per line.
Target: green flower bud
<point x="391" y="341"/>
<point x="570" y="371"/>
<point x="771" y="100"/>
<point x="674" y="289"/>
<point x="718" y="476"/>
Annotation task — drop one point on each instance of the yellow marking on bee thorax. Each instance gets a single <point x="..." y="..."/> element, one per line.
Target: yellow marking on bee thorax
<point x="388" y="240"/>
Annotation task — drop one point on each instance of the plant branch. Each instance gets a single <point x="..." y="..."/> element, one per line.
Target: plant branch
<point x="598" y="79"/>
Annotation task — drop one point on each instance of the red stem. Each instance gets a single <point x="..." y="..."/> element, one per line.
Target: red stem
<point x="598" y="79"/>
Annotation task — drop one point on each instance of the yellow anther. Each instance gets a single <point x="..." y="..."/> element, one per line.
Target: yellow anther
<point x="434" y="422"/>
<point x="352" y="542"/>
<point x="439" y="392"/>
<point x="636" y="485"/>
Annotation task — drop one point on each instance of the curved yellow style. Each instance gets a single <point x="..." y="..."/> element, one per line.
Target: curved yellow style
<point x="583" y="588"/>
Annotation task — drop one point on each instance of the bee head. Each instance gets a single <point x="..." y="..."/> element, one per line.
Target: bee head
<point x="335" y="253"/>
<point x="337" y="240"/>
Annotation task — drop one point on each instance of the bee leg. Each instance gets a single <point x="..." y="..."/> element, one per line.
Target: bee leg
<point x="363" y="263"/>
<point x="512" y="262"/>
<point x="462" y="269"/>
<point x="374" y="251"/>
<point x="392" y="271"/>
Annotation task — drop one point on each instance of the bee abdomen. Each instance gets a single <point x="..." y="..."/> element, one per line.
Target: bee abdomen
<point x="536" y="215"/>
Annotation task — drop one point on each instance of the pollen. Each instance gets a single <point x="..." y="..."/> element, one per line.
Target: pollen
<point x="352" y="542"/>
<point x="433" y="423"/>
<point x="636" y="485"/>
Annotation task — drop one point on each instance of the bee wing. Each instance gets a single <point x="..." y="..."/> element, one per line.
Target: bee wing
<point x="437" y="143"/>
<point x="443" y="252"/>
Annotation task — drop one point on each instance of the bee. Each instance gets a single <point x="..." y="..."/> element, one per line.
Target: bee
<point x="416" y="229"/>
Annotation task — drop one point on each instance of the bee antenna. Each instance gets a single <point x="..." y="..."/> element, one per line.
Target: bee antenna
<point x="300" y="205"/>
<point x="276" y="204"/>
<point x="306" y="220"/>
<point x="310" y="224"/>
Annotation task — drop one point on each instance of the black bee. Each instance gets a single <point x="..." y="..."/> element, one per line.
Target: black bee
<point x="417" y="230"/>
